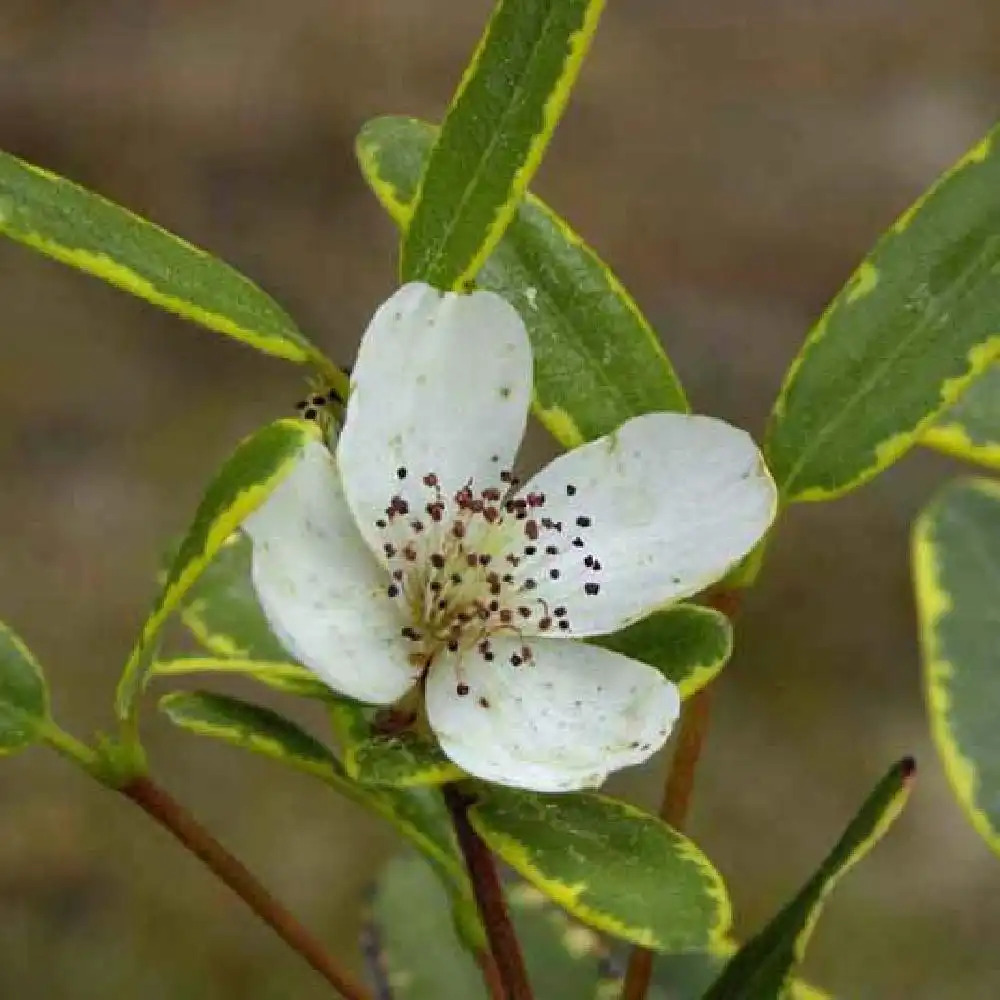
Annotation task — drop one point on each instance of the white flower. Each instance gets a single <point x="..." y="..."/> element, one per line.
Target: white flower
<point x="414" y="557"/>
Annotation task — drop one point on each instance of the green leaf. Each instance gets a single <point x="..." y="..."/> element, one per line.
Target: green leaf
<point x="575" y="309"/>
<point x="494" y="135"/>
<point x="377" y="751"/>
<point x="255" y="728"/>
<point x="77" y="227"/>
<point x="761" y="968"/>
<point x="418" y="814"/>
<point x="609" y="864"/>
<point x="24" y="699"/>
<point x="688" y="975"/>
<point x="423" y="959"/>
<point x="917" y="321"/>
<point x="971" y="428"/>
<point x="222" y="611"/>
<point x="956" y="569"/>
<point x="288" y="678"/>
<point x="687" y="643"/>
<point x="256" y="467"/>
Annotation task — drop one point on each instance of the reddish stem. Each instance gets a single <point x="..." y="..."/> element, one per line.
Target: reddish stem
<point x="174" y="818"/>
<point x="694" y="725"/>
<point x="504" y="970"/>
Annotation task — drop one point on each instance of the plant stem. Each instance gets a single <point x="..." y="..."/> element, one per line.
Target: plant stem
<point x="158" y="804"/>
<point x="694" y="724"/>
<point x="503" y="971"/>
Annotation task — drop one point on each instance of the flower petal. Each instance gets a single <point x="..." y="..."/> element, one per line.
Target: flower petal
<point x="441" y="386"/>
<point x="560" y="722"/>
<point x="648" y="515"/>
<point x="323" y="593"/>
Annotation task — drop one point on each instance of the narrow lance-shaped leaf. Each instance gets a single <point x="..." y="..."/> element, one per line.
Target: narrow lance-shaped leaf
<point x="500" y="120"/>
<point x="64" y="221"/>
<point x="288" y="678"/>
<point x="24" y="699"/>
<point x="418" y="814"/>
<point x="956" y="569"/>
<point x="609" y="864"/>
<point x="244" y="482"/>
<point x="971" y="428"/>
<point x="760" y="970"/>
<point x="597" y="360"/>
<point x="917" y="321"/>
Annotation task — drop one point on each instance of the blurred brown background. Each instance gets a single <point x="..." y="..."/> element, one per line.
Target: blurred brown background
<point x="732" y="159"/>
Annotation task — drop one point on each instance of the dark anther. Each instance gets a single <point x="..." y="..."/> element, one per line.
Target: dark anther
<point x="462" y="690"/>
<point x="452" y="646"/>
<point x="430" y="479"/>
<point x="544" y="623"/>
<point x="401" y="473"/>
<point x="551" y="550"/>
<point x="381" y="523"/>
<point x="484" y="702"/>
<point x="529" y="584"/>
<point x="553" y="574"/>
<point x="560" y="612"/>
<point x="589" y="562"/>
<point x="564" y="623"/>
<point x="515" y="660"/>
<point x="310" y="414"/>
<point x="591" y="588"/>
<point x="570" y="490"/>
<point x="530" y="550"/>
<point x="393" y="590"/>
<point x="578" y="542"/>
<point x="584" y="522"/>
<point x="437" y="560"/>
<point x="319" y="400"/>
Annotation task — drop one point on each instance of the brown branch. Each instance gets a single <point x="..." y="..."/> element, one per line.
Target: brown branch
<point x="491" y="975"/>
<point x="694" y="725"/>
<point x="504" y="970"/>
<point x="173" y="817"/>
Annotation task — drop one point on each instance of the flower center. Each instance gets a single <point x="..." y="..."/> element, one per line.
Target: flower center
<point x="471" y="566"/>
